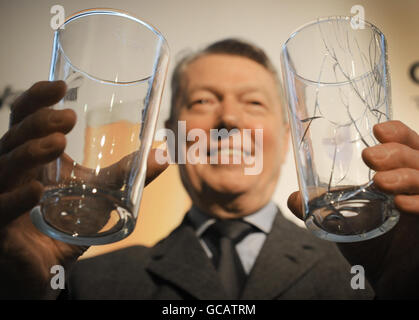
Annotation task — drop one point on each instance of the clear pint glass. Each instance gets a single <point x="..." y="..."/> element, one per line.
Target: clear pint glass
<point x="338" y="87"/>
<point x="114" y="66"/>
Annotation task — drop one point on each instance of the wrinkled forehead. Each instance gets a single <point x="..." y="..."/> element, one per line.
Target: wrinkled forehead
<point x="227" y="71"/>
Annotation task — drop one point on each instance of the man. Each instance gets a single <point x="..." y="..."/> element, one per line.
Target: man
<point x="229" y="85"/>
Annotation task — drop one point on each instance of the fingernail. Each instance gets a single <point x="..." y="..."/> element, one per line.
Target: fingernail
<point x="390" y="178"/>
<point x="379" y="153"/>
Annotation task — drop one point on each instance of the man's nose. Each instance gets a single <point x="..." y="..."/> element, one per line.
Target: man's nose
<point x="230" y="115"/>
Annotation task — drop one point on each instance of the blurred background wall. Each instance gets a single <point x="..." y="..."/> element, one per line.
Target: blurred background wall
<point x="26" y="42"/>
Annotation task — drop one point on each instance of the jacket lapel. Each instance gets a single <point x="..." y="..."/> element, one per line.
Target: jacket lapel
<point x="181" y="260"/>
<point x="283" y="260"/>
<point x="286" y="256"/>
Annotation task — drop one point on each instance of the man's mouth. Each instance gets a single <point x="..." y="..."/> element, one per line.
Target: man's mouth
<point x="235" y="152"/>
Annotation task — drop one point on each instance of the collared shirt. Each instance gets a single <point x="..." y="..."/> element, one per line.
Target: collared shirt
<point x="248" y="248"/>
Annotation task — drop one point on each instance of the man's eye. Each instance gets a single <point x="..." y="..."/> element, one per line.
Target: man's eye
<point x="255" y="102"/>
<point x="200" y="101"/>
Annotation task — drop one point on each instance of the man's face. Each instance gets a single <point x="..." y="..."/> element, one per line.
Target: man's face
<point x="233" y="92"/>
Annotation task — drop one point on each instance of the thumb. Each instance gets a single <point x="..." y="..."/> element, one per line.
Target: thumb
<point x="114" y="176"/>
<point x="153" y="167"/>
<point x="295" y="205"/>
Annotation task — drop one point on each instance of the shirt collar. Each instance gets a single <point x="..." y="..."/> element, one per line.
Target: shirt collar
<point x="261" y="219"/>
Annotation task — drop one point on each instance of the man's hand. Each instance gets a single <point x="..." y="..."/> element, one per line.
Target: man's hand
<point x="396" y="161"/>
<point x="391" y="261"/>
<point x="36" y="137"/>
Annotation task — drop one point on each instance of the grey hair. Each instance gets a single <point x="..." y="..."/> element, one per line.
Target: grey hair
<point x="228" y="46"/>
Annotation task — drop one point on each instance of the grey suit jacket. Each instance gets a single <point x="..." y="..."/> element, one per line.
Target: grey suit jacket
<point x="293" y="264"/>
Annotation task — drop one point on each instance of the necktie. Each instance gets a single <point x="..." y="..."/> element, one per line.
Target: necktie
<point x="224" y="235"/>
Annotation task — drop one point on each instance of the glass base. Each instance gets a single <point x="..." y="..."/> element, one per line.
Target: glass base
<point x="391" y="220"/>
<point x="124" y="228"/>
<point x="351" y="214"/>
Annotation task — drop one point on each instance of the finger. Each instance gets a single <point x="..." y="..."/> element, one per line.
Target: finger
<point x="117" y="174"/>
<point x="407" y="203"/>
<point x="154" y="168"/>
<point x="396" y="131"/>
<point x="390" y="156"/>
<point x="33" y="153"/>
<point x="15" y="203"/>
<point x="41" y="94"/>
<point x="114" y="176"/>
<point x="397" y="181"/>
<point x="39" y="124"/>
<point x="295" y="205"/>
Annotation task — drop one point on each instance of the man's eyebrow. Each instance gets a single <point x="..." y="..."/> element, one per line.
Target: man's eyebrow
<point x="241" y="89"/>
<point x="250" y="89"/>
<point x="203" y="88"/>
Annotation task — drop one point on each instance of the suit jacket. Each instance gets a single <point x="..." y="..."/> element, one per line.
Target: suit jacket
<point x="293" y="264"/>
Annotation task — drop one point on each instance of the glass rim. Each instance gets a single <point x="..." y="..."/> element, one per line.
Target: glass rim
<point x="327" y="19"/>
<point x="106" y="11"/>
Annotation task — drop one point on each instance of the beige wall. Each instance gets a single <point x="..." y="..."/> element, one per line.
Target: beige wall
<point x="25" y="48"/>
